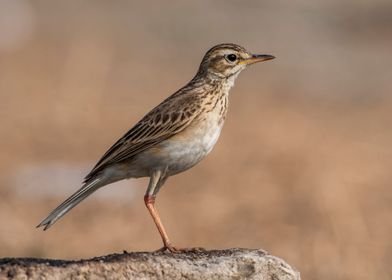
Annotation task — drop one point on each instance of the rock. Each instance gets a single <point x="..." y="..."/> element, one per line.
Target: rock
<point x="215" y="264"/>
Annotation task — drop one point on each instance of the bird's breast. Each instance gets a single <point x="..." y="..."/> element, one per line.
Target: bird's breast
<point x="191" y="145"/>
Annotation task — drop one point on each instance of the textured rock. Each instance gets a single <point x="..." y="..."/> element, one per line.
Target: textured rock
<point x="217" y="264"/>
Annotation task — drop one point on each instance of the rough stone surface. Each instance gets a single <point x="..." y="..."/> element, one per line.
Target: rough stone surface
<point x="216" y="264"/>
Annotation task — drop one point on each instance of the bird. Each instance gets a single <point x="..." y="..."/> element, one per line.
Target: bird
<point x="173" y="137"/>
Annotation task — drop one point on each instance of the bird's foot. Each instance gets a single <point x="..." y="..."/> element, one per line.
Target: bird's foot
<point x="169" y="248"/>
<point x="173" y="249"/>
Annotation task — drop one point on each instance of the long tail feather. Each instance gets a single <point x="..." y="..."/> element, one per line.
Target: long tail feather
<point x="70" y="203"/>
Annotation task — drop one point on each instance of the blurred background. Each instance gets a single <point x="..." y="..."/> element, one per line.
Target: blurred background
<point x="303" y="165"/>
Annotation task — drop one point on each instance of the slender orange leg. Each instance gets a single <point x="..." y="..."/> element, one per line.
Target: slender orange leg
<point x="150" y="201"/>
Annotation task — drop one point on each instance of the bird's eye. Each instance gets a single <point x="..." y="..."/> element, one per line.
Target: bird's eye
<point x="231" y="57"/>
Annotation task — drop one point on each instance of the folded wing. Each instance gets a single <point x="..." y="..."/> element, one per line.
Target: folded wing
<point x="161" y="123"/>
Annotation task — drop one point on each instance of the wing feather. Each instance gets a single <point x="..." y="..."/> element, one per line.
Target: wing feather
<point x="161" y="123"/>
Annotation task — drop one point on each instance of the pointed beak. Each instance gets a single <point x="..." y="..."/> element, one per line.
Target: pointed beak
<point x="257" y="58"/>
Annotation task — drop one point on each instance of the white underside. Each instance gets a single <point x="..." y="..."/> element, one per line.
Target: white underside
<point x="182" y="151"/>
<point x="186" y="152"/>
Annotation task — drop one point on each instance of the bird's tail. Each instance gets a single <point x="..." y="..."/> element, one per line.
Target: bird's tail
<point x="87" y="189"/>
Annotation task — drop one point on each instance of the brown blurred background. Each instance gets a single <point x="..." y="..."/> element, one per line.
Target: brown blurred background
<point x="302" y="168"/>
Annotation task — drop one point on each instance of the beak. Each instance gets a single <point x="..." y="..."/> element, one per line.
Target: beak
<point x="257" y="58"/>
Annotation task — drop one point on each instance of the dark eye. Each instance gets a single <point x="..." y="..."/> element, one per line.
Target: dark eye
<point x="231" y="57"/>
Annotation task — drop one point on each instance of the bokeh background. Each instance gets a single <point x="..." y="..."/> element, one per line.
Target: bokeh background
<point x="302" y="168"/>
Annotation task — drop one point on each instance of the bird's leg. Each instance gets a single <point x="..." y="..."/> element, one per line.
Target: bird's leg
<point x="160" y="183"/>
<point x="156" y="181"/>
<point x="150" y="201"/>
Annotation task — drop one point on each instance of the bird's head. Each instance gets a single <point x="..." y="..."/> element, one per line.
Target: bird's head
<point x="227" y="60"/>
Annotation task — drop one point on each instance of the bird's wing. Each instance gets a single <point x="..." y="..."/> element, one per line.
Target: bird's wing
<point x="165" y="120"/>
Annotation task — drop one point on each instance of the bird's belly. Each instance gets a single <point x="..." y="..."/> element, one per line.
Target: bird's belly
<point x="183" y="150"/>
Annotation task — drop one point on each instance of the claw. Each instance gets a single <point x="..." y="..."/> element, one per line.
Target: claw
<point x="169" y="248"/>
<point x="173" y="249"/>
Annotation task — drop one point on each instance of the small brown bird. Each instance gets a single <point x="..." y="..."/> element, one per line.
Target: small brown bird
<point x="172" y="137"/>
